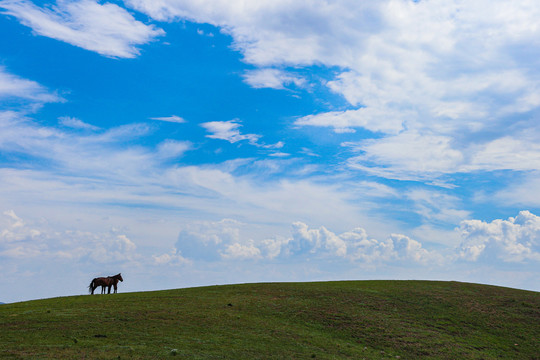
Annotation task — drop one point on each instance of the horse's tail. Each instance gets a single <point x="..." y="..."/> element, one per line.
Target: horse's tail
<point x="91" y="287"/>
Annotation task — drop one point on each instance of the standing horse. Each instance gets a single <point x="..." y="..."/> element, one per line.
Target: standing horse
<point x="100" y="281"/>
<point x="104" y="282"/>
<point x="113" y="281"/>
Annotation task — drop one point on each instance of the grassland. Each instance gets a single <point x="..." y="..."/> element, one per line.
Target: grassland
<point x="326" y="320"/>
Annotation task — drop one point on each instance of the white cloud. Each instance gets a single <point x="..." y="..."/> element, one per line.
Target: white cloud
<point x="19" y="240"/>
<point x="241" y="251"/>
<point x="436" y="206"/>
<point x="416" y="156"/>
<point x="371" y="119"/>
<point x="356" y="246"/>
<point x="272" y="78"/>
<point x="94" y="152"/>
<point x="203" y="33"/>
<point x="507" y="153"/>
<point x="104" y="28"/>
<point x="431" y="76"/>
<point x="521" y="192"/>
<point x="172" y="258"/>
<point x="76" y="123"/>
<point x="224" y="240"/>
<point x="286" y="32"/>
<point x="210" y="240"/>
<point x="279" y="154"/>
<point x="409" y="155"/>
<point x="106" y="168"/>
<point x="230" y="131"/>
<point x="172" y="118"/>
<point x="12" y="86"/>
<point x="513" y="240"/>
<point x="173" y="148"/>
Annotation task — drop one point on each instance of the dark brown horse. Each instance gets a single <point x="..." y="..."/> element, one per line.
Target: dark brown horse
<point x="105" y="282"/>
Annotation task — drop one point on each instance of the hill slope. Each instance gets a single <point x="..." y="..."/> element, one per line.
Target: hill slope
<point x="357" y="319"/>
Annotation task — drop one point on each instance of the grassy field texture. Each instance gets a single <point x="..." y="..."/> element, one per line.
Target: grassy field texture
<point x="325" y="320"/>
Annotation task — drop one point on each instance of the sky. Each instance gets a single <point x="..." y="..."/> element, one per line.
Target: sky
<point x="196" y="142"/>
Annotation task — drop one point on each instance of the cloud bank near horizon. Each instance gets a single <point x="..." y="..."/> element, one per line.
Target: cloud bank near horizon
<point x="514" y="240"/>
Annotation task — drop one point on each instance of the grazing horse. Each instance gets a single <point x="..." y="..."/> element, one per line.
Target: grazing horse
<point x="104" y="282"/>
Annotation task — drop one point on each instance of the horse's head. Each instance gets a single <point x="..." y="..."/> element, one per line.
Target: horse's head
<point x="119" y="276"/>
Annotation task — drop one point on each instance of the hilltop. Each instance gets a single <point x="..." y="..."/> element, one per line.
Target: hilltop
<point x="324" y="320"/>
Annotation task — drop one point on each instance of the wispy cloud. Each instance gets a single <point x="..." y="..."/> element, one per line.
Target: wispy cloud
<point x="468" y="67"/>
<point x="272" y="78"/>
<point x="172" y="118"/>
<point x="173" y="148"/>
<point x="12" y="86"/>
<point x="229" y="131"/>
<point x="104" y="28"/>
<point x="76" y="123"/>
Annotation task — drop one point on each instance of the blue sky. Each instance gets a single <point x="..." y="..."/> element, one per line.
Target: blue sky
<point x="189" y="143"/>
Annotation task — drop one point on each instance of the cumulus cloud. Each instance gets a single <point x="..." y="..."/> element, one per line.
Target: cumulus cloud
<point x="356" y="246"/>
<point x="305" y="240"/>
<point x="21" y="240"/>
<point x="224" y="241"/>
<point x="241" y="251"/>
<point x="171" y="258"/>
<point x="104" y="28"/>
<point x="514" y="240"/>
<point x="210" y="240"/>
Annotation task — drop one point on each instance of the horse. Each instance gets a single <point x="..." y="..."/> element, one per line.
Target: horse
<point x="113" y="281"/>
<point x="104" y="282"/>
<point x="100" y="281"/>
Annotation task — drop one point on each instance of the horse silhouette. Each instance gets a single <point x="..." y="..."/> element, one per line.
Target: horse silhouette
<point x="105" y="282"/>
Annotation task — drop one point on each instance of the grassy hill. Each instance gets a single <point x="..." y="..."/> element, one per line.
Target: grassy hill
<point x="326" y="320"/>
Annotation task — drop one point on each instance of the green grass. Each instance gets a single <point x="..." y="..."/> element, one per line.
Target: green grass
<point x="326" y="320"/>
